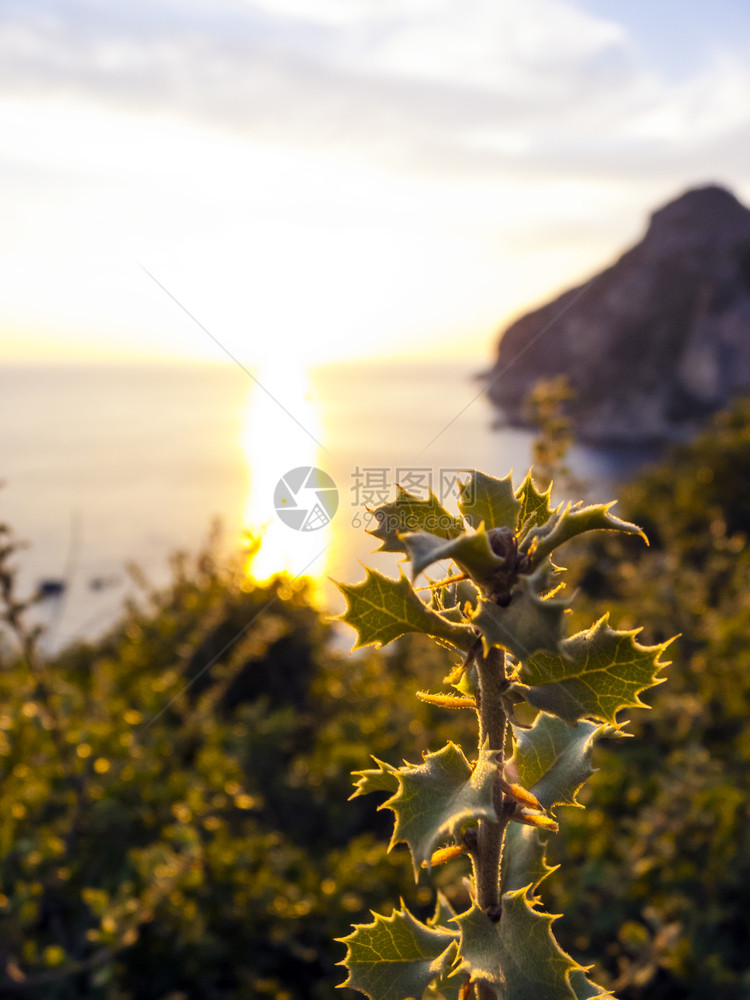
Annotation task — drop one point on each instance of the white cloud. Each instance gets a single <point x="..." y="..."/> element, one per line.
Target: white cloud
<point x="398" y="77"/>
<point x="494" y="46"/>
<point x="482" y="87"/>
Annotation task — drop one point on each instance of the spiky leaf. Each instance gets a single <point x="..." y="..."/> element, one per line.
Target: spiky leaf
<point x="596" y="673"/>
<point x="489" y="501"/>
<point x="396" y="957"/>
<point x="572" y="521"/>
<point x="448" y="987"/>
<point x="452" y="613"/>
<point x="380" y="779"/>
<point x="524" y="858"/>
<point x="584" y="989"/>
<point x="453" y="598"/>
<point x="470" y="551"/>
<point x="553" y="759"/>
<point x="466" y="684"/>
<point x="535" y="508"/>
<point x="381" y="609"/>
<point x="527" y="624"/>
<point x="444" y="913"/>
<point x="412" y="513"/>
<point x="436" y="798"/>
<point x="518" y="956"/>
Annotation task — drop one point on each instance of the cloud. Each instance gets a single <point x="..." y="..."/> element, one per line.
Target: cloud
<point x="476" y="87"/>
<point x="480" y="85"/>
<point x="477" y="90"/>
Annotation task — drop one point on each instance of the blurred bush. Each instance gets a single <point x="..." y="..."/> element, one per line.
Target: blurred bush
<point x="174" y="819"/>
<point x="173" y="807"/>
<point x="662" y="853"/>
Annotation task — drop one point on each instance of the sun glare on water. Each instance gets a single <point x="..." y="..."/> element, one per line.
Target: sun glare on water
<point x="281" y="429"/>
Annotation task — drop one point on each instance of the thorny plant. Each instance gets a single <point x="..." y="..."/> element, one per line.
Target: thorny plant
<point x="499" y="607"/>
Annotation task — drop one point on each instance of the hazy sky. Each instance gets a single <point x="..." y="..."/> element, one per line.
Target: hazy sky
<point x="328" y="178"/>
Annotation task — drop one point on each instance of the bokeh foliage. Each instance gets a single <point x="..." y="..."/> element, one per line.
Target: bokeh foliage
<point x="173" y="814"/>
<point x="663" y="853"/>
<point x="163" y="842"/>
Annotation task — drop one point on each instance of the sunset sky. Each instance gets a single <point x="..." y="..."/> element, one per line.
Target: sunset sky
<point x="340" y="178"/>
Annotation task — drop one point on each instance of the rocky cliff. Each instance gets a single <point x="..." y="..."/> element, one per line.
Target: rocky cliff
<point x="655" y="342"/>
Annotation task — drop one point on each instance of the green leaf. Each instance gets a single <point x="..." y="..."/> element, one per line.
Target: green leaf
<point x="452" y="599"/>
<point x="485" y="499"/>
<point x="380" y="779"/>
<point x="467" y="683"/>
<point x="524" y="858"/>
<point x="448" y="987"/>
<point x="584" y="989"/>
<point x="535" y="509"/>
<point x="471" y="552"/>
<point x="529" y="623"/>
<point x="553" y="759"/>
<point x="411" y="513"/>
<point x="381" y="609"/>
<point x="451" y="611"/>
<point x="517" y="956"/>
<point x="596" y="673"/>
<point x="396" y="957"/>
<point x="436" y="798"/>
<point x="444" y="912"/>
<point x="572" y="521"/>
<point x="480" y="949"/>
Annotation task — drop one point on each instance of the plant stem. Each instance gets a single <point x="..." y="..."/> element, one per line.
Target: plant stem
<point x="492" y="730"/>
<point x="493" y="725"/>
<point x="492" y="684"/>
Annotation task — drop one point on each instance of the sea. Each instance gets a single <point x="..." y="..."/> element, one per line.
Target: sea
<point x="106" y="466"/>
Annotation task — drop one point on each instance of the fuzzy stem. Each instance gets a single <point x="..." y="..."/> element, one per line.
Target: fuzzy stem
<point x="490" y="709"/>
<point x="492" y="729"/>
<point x="486" y="857"/>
